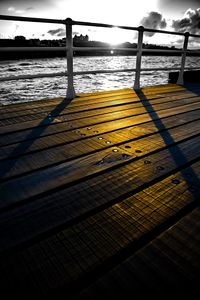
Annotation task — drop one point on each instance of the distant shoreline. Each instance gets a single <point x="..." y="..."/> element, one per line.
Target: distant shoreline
<point x="44" y="48"/>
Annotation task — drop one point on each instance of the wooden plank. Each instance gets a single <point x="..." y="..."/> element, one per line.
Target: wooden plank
<point x="62" y="153"/>
<point x="83" y="105"/>
<point x="177" y="247"/>
<point x="69" y="203"/>
<point x="87" y="121"/>
<point x="71" y="106"/>
<point x="89" y="135"/>
<point x="143" y="118"/>
<point x="97" y="95"/>
<point x="80" y="133"/>
<point x="64" y="111"/>
<point x="95" y="130"/>
<point x="80" y="99"/>
<point x="84" y="247"/>
<point x="152" y="89"/>
<point x="77" y="106"/>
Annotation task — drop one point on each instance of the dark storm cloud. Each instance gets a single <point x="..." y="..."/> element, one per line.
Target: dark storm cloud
<point x="153" y="20"/>
<point x="191" y="22"/>
<point x="57" y="32"/>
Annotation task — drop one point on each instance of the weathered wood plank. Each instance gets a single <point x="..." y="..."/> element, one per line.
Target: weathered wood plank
<point x="141" y="273"/>
<point x="68" y="135"/>
<point x="89" y="121"/>
<point x="82" y="102"/>
<point x="69" y="203"/>
<point x="118" y="103"/>
<point x="146" y="117"/>
<point x="77" y="106"/>
<point x="93" y="96"/>
<point x="90" y="135"/>
<point x="62" y="153"/>
<point x="65" y="173"/>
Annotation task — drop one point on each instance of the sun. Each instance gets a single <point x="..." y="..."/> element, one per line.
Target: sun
<point x="113" y="36"/>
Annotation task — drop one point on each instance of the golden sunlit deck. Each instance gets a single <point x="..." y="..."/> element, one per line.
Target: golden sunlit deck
<point x="99" y="195"/>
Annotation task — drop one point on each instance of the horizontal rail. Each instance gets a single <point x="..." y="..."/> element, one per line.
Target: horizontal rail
<point x="31" y="49"/>
<point x="161" y="51"/>
<point x="81" y="23"/>
<point x="32" y="76"/>
<point x="164" y="31"/>
<point x="29" y="76"/>
<point x="168" y="69"/>
<point x="92" y="49"/>
<point x="82" y="49"/>
<point x="193" y="52"/>
<point x="127" y="49"/>
<point x="130" y="28"/>
<point x="103" y="25"/>
<point x="29" y="19"/>
<point x="94" y="72"/>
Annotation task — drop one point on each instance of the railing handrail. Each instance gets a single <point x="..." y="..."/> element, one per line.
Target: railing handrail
<point x="70" y="48"/>
<point x="31" y="19"/>
<point x="83" y="23"/>
<point x="94" y="72"/>
<point x="75" y="48"/>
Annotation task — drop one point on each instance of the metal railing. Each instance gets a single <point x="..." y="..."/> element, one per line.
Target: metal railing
<point x="70" y="49"/>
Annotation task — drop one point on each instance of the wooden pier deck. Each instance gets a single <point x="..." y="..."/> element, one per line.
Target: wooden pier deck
<point x="100" y="195"/>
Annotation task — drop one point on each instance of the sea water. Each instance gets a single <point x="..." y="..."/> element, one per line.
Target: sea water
<point x="45" y="88"/>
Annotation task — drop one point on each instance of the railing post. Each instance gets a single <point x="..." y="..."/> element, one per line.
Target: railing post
<point x="183" y="59"/>
<point x="138" y="58"/>
<point x="69" y="44"/>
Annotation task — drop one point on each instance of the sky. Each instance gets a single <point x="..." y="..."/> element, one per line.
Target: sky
<point x="174" y="15"/>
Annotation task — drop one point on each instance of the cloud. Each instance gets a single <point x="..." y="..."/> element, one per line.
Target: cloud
<point x="153" y="20"/>
<point x="29" y="8"/>
<point x="16" y="6"/>
<point x="11" y="8"/>
<point x="61" y="32"/>
<point x="190" y="22"/>
<point x="19" y="11"/>
<point x="92" y="30"/>
<point x="57" y="32"/>
<point x="24" y="3"/>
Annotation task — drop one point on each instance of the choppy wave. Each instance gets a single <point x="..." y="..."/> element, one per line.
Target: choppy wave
<point x="45" y="88"/>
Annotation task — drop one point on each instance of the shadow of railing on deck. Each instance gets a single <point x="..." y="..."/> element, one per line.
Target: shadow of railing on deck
<point x="173" y="147"/>
<point x="35" y="133"/>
